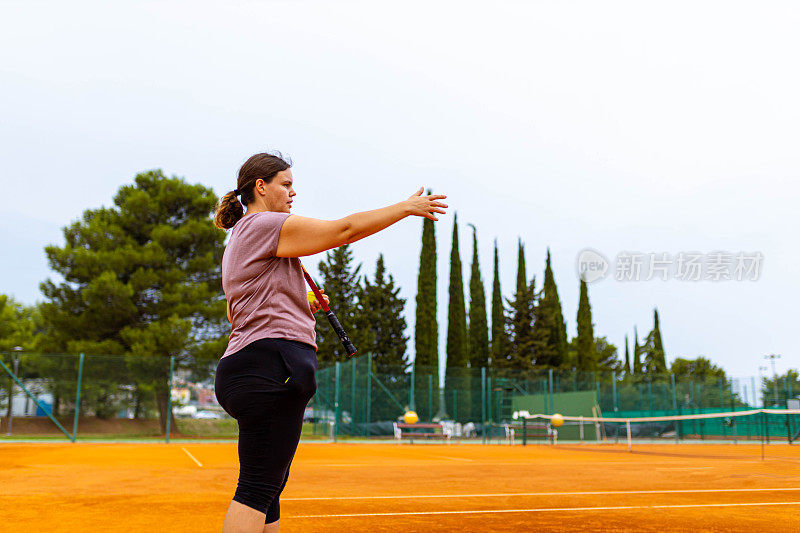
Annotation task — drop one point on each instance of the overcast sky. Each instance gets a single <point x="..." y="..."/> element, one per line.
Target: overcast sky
<point x="619" y="126"/>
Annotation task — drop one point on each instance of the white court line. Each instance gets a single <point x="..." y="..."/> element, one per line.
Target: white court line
<point x="192" y="456"/>
<point x="550" y="510"/>
<point x="509" y="494"/>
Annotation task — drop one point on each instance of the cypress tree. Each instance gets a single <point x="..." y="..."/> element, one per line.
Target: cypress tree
<point x="658" y="345"/>
<point x="551" y="330"/>
<point x="426" y="328"/>
<point x="457" y="347"/>
<point x="586" y="360"/>
<point x="478" y="328"/>
<point x="382" y="322"/>
<point x="627" y="358"/>
<point x="522" y="276"/>
<point x="654" y="359"/>
<point x="499" y="335"/>
<point x="637" y="363"/>
<point x="341" y="282"/>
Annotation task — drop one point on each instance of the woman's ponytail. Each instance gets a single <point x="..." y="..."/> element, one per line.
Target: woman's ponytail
<point x="229" y="211"/>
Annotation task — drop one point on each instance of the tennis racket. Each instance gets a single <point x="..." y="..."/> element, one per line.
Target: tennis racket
<point x="337" y="327"/>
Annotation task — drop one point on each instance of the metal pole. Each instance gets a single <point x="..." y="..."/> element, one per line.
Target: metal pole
<point x="353" y="397"/>
<point x="674" y="393"/>
<point x="11" y="397"/>
<point x="77" y="400"/>
<point x="483" y="404"/>
<point x="169" y="394"/>
<point x="337" y="372"/>
<point x="614" y="390"/>
<point x="430" y="397"/>
<point x="628" y="428"/>
<point x="524" y="430"/>
<point x="550" y="381"/>
<point x="369" y="391"/>
<point x="411" y="392"/>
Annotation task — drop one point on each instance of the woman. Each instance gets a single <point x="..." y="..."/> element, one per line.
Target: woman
<point x="266" y="376"/>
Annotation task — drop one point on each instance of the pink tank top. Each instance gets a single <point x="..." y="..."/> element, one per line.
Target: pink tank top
<point x="267" y="294"/>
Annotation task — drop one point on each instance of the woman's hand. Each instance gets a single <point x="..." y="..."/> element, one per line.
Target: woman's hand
<point x="426" y="206"/>
<point x="315" y="305"/>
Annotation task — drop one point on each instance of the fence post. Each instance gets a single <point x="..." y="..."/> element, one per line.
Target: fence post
<point x="353" y="396"/>
<point x="614" y="390"/>
<point x="77" y="400"/>
<point x="369" y="392"/>
<point x="483" y="404"/>
<point x="169" y="394"/>
<point x="430" y="397"/>
<point x="550" y="382"/>
<point x="337" y="374"/>
<point x="411" y="403"/>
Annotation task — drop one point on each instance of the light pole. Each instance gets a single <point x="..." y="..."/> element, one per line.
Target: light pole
<point x="11" y="391"/>
<point x="761" y="384"/>
<point x="772" y="358"/>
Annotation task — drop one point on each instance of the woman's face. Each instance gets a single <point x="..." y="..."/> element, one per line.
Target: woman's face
<point x="277" y="194"/>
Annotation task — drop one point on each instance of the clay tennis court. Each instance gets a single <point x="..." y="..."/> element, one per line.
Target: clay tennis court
<point x="186" y="487"/>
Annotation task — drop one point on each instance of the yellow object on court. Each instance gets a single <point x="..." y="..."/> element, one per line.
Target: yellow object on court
<point x="557" y="421"/>
<point x="410" y="417"/>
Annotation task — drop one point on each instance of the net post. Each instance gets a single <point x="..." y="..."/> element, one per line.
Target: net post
<point x="169" y="395"/>
<point x="762" y="435"/>
<point x="628" y="429"/>
<point x="581" y="428"/>
<point x="337" y="375"/>
<point x="483" y="404"/>
<point x="524" y="430"/>
<point x="77" y="400"/>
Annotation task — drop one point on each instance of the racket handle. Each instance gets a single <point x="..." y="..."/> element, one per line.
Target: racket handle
<point x="337" y="327"/>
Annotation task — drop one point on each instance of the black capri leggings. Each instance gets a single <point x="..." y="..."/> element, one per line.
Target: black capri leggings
<point x="266" y="386"/>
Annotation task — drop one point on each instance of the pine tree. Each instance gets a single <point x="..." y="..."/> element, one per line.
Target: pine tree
<point x="457" y="341"/>
<point x="550" y="328"/>
<point x="426" y="328"/>
<point x="382" y="323"/>
<point x="478" y="328"/>
<point x="606" y="356"/>
<point x="637" y="362"/>
<point x="499" y="336"/>
<point x="627" y="358"/>
<point x="585" y="346"/>
<point x="142" y="280"/>
<point x="341" y="282"/>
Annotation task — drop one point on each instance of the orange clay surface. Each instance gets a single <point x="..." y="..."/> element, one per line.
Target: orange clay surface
<point x="119" y="487"/>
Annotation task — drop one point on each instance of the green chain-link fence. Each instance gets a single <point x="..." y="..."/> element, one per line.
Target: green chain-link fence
<point x="116" y="396"/>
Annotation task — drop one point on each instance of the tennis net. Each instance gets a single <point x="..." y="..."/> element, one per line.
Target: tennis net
<point x="760" y="425"/>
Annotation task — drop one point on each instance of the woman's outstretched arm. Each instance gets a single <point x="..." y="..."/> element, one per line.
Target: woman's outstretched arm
<point x="307" y="236"/>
